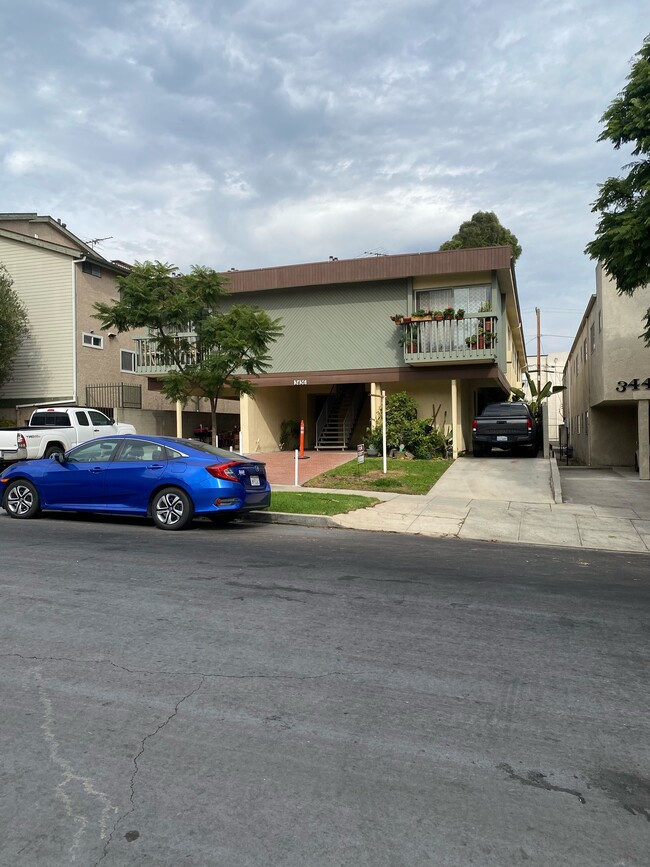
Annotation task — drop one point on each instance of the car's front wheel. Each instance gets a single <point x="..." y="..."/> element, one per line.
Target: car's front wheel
<point x="21" y="499"/>
<point x="172" y="509"/>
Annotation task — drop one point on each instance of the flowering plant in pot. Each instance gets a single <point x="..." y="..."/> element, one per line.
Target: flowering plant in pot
<point x="460" y="313"/>
<point x="448" y="313"/>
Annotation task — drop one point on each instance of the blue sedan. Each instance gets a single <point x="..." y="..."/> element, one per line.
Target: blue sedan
<point x="171" y="480"/>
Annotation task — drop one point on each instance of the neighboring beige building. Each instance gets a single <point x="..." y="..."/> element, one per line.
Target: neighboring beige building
<point x="67" y="358"/>
<point x="551" y="370"/>
<point x="607" y="377"/>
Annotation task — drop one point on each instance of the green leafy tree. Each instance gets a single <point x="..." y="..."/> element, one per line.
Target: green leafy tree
<point x="622" y="241"/>
<point x="14" y="325"/>
<point x="537" y="399"/>
<point x="207" y="350"/>
<point x="483" y="230"/>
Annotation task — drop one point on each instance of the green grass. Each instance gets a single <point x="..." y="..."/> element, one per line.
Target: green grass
<point x="318" y="504"/>
<point x="402" y="477"/>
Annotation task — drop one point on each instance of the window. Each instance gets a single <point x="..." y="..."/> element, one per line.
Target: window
<point x="127" y="361"/>
<point x="98" y="418"/>
<point x="50" y="419"/>
<point x="97" y="451"/>
<point x="140" y="450"/>
<point x="82" y="419"/>
<point x="584" y="350"/>
<point x="470" y="298"/>
<point x="600" y="321"/>
<point x="579" y="420"/>
<point x="92" y="340"/>
<point x="592" y="332"/>
<point x="587" y="422"/>
<point x="91" y="268"/>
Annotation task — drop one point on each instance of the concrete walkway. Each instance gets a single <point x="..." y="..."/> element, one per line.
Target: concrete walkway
<point x="502" y="500"/>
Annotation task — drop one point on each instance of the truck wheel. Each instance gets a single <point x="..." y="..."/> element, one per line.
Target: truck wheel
<point x="477" y="451"/>
<point x="21" y="499"/>
<point x="53" y="450"/>
<point x="172" y="509"/>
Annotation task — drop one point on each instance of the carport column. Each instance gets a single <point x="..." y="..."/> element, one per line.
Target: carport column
<point x="179" y="419"/>
<point x="455" y="417"/>
<point x="375" y="401"/>
<point x="244" y="424"/>
<point x="643" y="416"/>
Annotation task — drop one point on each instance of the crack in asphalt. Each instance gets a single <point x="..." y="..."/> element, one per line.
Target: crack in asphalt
<point x="136" y="767"/>
<point x="203" y="674"/>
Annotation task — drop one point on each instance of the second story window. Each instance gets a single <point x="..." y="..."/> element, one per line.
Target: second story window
<point x="592" y="332"/>
<point x="91" y="268"/>
<point x="92" y="340"/>
<point x="127" y="361"/>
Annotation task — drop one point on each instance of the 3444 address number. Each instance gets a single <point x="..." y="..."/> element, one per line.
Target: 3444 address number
<point x="633" y="384"/>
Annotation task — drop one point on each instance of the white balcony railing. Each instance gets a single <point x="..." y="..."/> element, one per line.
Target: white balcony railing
<point x="473" y="338"/>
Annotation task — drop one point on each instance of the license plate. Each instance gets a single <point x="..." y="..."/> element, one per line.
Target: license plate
<point x="502" y="439"/>
<point x="255" y="481"/>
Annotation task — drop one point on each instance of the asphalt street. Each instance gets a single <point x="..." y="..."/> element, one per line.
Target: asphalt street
<point x="277" y="695"/>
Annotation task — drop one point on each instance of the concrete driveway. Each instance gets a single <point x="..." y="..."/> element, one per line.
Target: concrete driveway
<point x="497" y="477"/>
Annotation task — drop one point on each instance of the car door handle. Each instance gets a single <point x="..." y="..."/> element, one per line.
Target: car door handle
<point x="155" y="466"/>
<point x="96" y="469"/>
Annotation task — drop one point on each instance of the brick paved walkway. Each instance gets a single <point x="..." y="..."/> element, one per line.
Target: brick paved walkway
<point x="280" y="466"/>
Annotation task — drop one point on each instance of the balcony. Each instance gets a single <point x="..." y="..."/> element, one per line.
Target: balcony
<point x="427" y="341"/>
<point x="150" y="359"/>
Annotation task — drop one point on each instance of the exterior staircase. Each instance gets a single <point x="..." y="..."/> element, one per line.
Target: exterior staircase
<point x="339" y="416"/>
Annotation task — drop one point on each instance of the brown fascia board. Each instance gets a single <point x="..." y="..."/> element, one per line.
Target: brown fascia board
<point x="374" y="268"/>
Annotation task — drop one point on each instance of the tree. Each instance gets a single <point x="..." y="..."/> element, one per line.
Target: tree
<point x="14" y="324"/>
<point x="206" y="349"/>
<point x="536" y="401"/>
<point x="622" y="241"/>
<point x="483" y="230"/>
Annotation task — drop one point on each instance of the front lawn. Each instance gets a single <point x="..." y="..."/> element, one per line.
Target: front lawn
<point x="299" y="503"/>
<point x="402" y="477"/>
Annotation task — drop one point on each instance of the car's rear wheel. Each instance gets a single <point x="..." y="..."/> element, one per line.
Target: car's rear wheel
<point x="477" y="451"/>
<point x="221" y="518"/>
<point x="21" y="499"/>
<point x="172" y="509"/>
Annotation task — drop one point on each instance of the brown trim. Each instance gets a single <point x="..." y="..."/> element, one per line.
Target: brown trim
<point x="372" y="268"/>
<point x="384" y="374"/>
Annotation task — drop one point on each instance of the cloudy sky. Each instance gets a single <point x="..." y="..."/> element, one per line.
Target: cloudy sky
<point x="269" y="132"/>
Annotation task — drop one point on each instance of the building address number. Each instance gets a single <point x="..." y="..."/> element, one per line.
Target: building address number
<point x="300" y="382"/>
<point x="633" y="384"/>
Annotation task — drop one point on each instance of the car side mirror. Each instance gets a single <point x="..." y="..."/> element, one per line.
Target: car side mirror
<point x="59" y="457"/>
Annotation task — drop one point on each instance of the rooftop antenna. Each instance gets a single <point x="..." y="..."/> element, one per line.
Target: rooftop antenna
<point x="97" y="241"/>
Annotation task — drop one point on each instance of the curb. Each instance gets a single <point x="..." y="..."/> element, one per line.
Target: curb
<point x="291" y="518"/>
<point x="556" y="484"/>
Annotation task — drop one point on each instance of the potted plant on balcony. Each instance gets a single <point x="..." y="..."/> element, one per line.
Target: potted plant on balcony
<point x="471" y="341"/>
<point x="437" y="315"/>
<point x="448" y="313"/>
<point x="420" y="316"/>
<point x="397" y="318"/>
<point x="460" y="313"/>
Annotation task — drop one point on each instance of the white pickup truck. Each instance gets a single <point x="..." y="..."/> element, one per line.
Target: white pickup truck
<point x="55" y="430"/>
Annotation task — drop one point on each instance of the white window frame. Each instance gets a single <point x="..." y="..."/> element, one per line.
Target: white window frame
<point x="92" y="341"/>
<point x="128" y="352"/>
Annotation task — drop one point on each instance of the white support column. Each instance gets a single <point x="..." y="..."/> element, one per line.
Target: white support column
<point x="375" y="401"/>
<point x="179" y="419"/>
<point x="643" y="436"/>
<point x="455" y="417"/>
<point x="244" y="424"/>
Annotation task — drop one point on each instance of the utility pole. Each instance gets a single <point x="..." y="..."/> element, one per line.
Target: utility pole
<point x="539" y="355"/>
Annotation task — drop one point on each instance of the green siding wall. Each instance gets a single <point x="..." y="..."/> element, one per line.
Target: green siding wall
<point x="343" y="327"/>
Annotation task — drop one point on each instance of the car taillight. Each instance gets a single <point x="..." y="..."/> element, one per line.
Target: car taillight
<point x="474" y="426"/>
<point x="529" y="422"/>
<point x="225" y="471"/>
<point x="22" y="443"/>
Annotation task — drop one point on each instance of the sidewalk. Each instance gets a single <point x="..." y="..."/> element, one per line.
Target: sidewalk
<point x="509" y="500"/>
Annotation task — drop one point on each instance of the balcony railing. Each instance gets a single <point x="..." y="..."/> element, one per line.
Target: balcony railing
<point x="473" y="338"/>
<point x="150" y="359"/>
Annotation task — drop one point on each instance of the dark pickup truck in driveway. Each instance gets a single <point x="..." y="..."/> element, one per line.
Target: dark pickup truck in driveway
<point x="505" y="426"/>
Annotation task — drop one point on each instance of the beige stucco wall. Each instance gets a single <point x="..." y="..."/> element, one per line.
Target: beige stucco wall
<point x="262" y="416"/>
